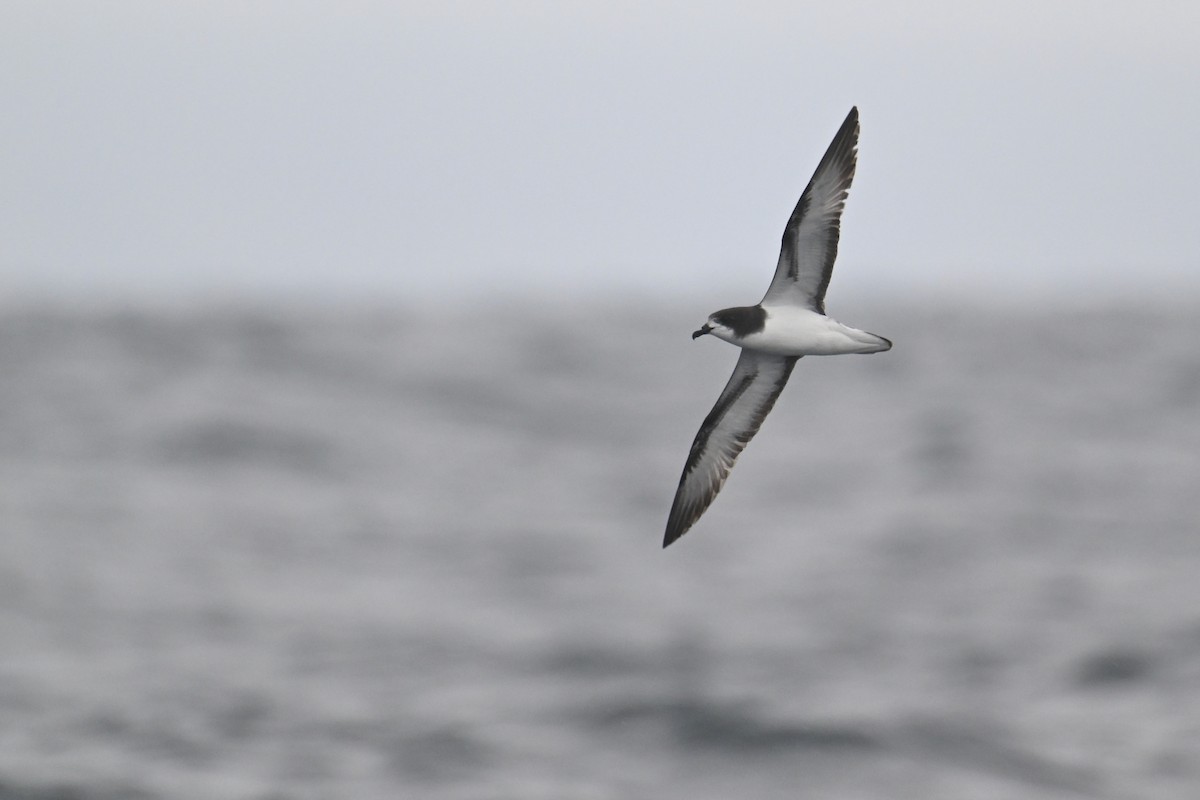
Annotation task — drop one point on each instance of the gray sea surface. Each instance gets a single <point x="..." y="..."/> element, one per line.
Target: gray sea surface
<point x="273" y="553"/>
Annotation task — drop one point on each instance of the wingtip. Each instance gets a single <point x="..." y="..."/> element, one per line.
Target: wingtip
<point x="677" y="526"/>
<point x="851" y="121"/>
<point x="677" y="520"/>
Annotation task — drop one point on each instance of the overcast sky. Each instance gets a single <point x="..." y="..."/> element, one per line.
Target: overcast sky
<point x="425" y="150"/>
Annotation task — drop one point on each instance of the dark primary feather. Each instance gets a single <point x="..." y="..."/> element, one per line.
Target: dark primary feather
<point x="744" y="403"/>
<point x="810" y="238"/>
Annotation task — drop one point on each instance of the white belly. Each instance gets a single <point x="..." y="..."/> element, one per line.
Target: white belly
<point x="790" y="331"/>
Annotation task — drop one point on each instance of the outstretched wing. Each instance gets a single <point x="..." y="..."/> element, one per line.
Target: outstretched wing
<point x="810" y="240"/>
<point x="745" y="402"/>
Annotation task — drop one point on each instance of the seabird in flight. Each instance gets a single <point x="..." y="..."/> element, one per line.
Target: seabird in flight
<point x="788" y="323"/>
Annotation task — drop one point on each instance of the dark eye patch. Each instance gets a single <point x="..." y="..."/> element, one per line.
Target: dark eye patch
<point x="743" y="320"/>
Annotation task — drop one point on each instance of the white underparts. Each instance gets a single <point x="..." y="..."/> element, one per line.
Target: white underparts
<point x="792" y="331"/>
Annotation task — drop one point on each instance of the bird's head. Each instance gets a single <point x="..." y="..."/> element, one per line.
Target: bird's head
<point x="732" y="324"/>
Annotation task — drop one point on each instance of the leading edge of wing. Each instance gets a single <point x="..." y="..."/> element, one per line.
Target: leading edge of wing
<point x="810" y="238"/>
<point x="739" y="412"/>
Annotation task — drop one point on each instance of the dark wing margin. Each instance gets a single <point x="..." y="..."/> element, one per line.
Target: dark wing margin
<point x="810" y="238"/>
<point x="744" y="403"/>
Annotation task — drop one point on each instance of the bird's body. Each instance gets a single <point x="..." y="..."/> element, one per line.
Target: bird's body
<point x="788" y="323"/>
<point x="797" y="331"/>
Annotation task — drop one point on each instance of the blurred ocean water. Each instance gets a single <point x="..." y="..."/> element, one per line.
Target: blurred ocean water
<point x="272" y="553"/>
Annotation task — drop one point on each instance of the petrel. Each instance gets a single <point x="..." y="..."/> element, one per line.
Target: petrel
<point x="787" y="324"/>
